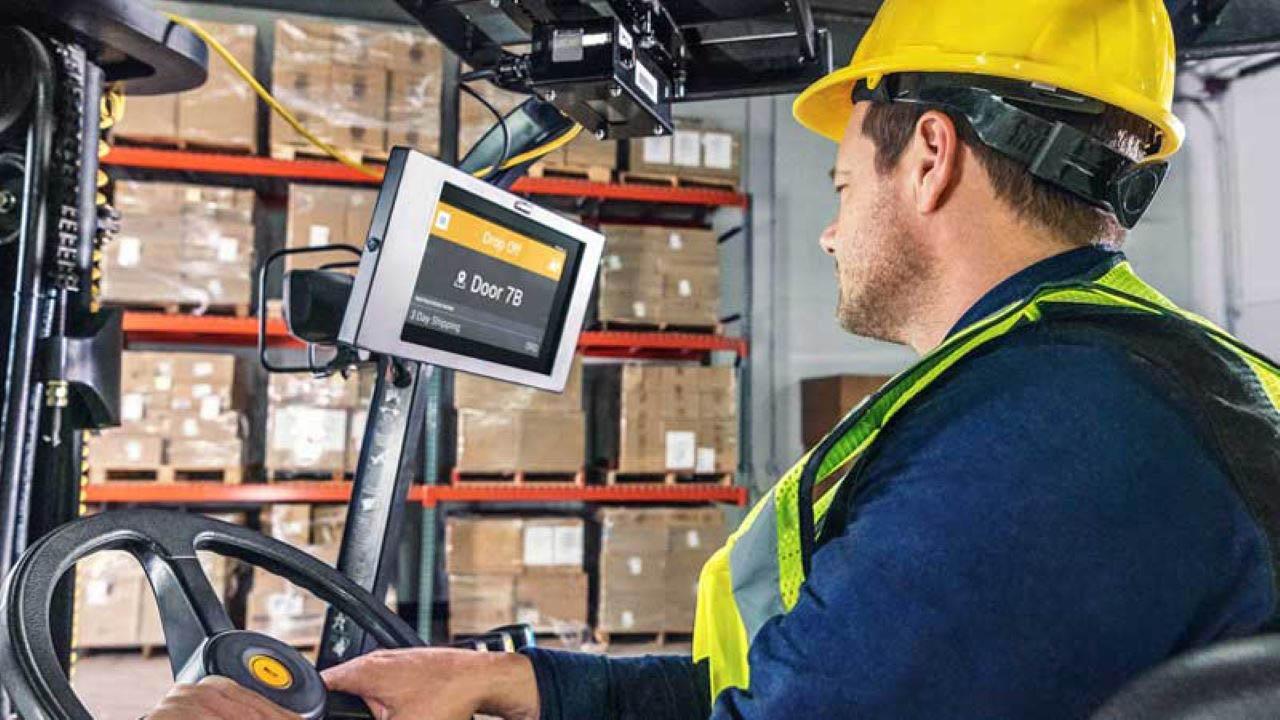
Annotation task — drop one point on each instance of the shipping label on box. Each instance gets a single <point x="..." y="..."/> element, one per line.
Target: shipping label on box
<point x="551" y="543"/>
<point x="306" y="438"/>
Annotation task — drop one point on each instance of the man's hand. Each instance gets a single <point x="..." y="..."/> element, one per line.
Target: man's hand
<point x="217" y="698"/>
<point x="440" y="684"/>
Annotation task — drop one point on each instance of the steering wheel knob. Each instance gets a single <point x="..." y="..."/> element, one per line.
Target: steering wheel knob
<point x="263" y="664"/>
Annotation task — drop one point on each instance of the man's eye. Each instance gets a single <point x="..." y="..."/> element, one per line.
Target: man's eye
<point x="840" y="189"/>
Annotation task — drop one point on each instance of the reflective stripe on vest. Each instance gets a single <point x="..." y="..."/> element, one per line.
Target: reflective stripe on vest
<point x="757" y="575"/>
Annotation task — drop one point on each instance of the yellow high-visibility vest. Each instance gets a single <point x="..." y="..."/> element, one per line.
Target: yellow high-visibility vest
<point x="758" y="574"/>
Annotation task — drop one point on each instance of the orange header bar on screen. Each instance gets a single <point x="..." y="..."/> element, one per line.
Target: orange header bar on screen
<point x="475" y="233"/>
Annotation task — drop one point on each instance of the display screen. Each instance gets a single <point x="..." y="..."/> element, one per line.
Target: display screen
<point x="492" y="284"/>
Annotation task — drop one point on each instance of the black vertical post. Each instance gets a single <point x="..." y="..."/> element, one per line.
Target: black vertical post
<point x="375" y="514"/>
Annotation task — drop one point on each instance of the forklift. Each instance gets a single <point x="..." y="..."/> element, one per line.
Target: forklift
<point x="613" y="68"/>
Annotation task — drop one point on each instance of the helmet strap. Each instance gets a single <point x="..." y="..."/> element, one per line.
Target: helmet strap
<point x="1055" y="152"/>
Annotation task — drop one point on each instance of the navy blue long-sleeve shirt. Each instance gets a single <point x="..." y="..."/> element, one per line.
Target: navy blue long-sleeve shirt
<point x="1041" y="528"/>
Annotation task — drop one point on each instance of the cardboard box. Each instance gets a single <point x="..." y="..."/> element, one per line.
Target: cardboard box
<point x="586" y="151"/>
<point x="328" y="524"/>
<point x="650" y="561"/>
<point x="359" y="216"/>
<point x="318" y="216"/>
<point x="149" y="118"/>
<point x="480" y="393"/>
<point x="359" y="97"/>
<point x="289" y="523"/>
<point x="109" y="586"/>
<point x="551" y="601"/>
<point x="553" y="544"/>
<point x="223" y="111"/>
<point x="306" y="91"/>
<point x="633" y="549"/>
<point x="118" y="448"/>
<point x="484" y="545"/>
<point x="825" y="401"/>
<point x="413" y="111"/>
<point x="656" y="274"/>
<point x="283" y="610"/>
<point x="681" y="419"/>
<point x="204" y="453"/>
<point x="303" y="42"/>
<point x="694" y="150"/>
<point x="408" y="50"/>
<point x="304" y="438"/>
<point x="507" y="441"/>
<point x="332" y="391"/>
<point x="479" y="603"/>
<point x="359" y="45"/>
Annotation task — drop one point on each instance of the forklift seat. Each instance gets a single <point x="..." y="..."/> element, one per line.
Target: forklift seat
<point x="1235" y="680"/>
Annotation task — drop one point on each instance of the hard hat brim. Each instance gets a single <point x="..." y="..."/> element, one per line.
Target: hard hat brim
<point x="825" y="106"/>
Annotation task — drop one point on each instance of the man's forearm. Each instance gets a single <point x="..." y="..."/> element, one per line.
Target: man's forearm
<point x="653" y="687"/>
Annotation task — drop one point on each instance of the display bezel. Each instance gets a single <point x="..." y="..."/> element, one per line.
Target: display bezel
<point x="389" y="267"/>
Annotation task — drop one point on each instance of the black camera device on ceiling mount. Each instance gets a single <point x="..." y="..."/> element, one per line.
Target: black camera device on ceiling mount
<point x="616" y="66"/>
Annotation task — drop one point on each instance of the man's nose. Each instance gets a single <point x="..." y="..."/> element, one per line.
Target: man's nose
<point x="828" y="239"/>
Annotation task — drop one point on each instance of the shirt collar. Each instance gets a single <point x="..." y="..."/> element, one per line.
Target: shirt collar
<point x="1070" y="265"/>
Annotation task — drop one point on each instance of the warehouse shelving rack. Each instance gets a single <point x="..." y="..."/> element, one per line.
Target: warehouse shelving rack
<point x="271" y="173"/>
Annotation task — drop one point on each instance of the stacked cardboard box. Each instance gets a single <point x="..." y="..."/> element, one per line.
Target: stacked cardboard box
<point x="512" y="569"/>
<point x="178" y="409"/>
<point x="310" y="422"/>
<point x="678" y="419"/>
<point x="276" y="606"/>
<point x="505" y="428"/>
<point x="359" y="87"/>
<point x="824" y="401"/>
<point x="115" y="605"/>
<point x="180" y="244"/>
<point x="650" y="560"/>
<point x="474" y="119"/>
<point x="659" y="275"/>
<point x="323" y="215"/>
<point x="221" y="113"/>
<point x="587" y="154"/>
<point x="695" y="150"/>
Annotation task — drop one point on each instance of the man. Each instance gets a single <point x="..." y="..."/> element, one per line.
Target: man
<point x="1072" y="485"/>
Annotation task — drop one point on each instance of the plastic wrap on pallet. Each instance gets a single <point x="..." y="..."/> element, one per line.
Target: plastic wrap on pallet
<point x="220" y="113"/>
<point x="650" y="560"/>
<point x="361" y="87"/>
<point x="223" y="111"/>
<point x="206" y="453"/>
<point x="335" y="390"/>
<point x="696" y="149"/>
<point x="480" y="393"/>
<point x="659" y="275"/>
<point x="323" y="215"/>
<point x="678" y="419"/>
<point x="510" y="441"/>
<point x="109" y="588"/>
<point x="302" y="438"/>
<point x="285" y="611"/>
<point x="180" y="245"/>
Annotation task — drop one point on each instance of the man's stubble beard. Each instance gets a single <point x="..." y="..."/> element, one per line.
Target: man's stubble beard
<point x="886" y="285"/>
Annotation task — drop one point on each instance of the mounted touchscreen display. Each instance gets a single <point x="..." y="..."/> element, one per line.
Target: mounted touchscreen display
<point x="464" y="275"/>
<point x="491" y="283"/>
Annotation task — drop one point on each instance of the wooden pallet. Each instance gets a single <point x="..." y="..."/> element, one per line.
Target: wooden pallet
<point x="283" y="476"/>
<point x="519" y="477"/>
<point x="165" y="474"/>
<point x="662" y="638"/>
<point x="619" y="477"/>
<point x="593" y="173"/>
<point x="311" y="152"/>
<point x="239" y="310"/>
<point x="628" y="324"/>
<point x="679" y="180"/>
<point x="160" y="141"/>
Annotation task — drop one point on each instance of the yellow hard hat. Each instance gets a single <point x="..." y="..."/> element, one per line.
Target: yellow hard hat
<point x="1121" y="52"/>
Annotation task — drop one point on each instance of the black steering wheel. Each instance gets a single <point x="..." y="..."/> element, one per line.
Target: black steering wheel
<point x="200" y="637"/>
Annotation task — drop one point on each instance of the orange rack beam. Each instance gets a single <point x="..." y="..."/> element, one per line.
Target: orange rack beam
<point x="335" y="492"/>
<point x="219" y="330"/>
<point x="323" y="170"/>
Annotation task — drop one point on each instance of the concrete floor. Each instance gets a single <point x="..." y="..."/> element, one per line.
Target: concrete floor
<point x="124" y="685"/>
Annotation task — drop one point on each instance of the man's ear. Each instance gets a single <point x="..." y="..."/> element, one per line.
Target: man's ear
<point x="936" y="160"/>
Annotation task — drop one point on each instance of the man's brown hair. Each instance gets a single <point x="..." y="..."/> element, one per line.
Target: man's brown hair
<point x="1072" y="220"/>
